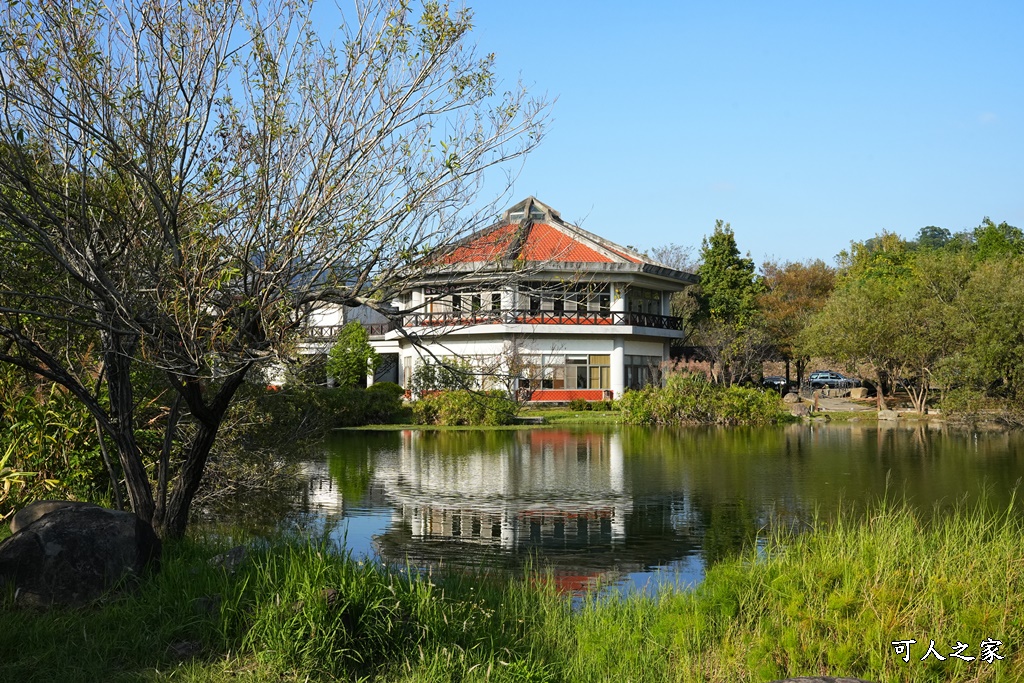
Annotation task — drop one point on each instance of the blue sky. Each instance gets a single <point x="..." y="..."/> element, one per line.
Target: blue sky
<point x="803" y="124"/>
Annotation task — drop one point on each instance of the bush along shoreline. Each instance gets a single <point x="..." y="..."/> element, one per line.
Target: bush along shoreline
<point x="693" y="400"/>
<point x="839" y="600"/>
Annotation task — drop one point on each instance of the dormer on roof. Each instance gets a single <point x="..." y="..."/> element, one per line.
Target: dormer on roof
<point x="533" y="209"/>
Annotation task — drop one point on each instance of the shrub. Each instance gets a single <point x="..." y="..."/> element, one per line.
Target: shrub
<point x="449" y="375"/>
<point x="388" y="388"/>
<point x="352" y="357"/>
<point x="462" y="407"/>
<point x="693" y="400"/>
<point x="45" y="431"/>
<point x="580" y="404"/>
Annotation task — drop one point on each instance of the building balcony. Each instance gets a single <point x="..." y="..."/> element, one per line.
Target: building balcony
<point x="322" y="333"/>
<point x="462" y="319"/>
<point x="528" y="317"/>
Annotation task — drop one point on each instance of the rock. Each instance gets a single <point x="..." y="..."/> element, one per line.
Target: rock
<point x="31" y="513"/>
<point x="859" y="392"/>
<point x="800" y="409"/>
<point x="186" y="649"/>
<point x="791" y="398"/>
<point x="888" y="415"/>
<point x="230" y="560"/>
<point x="72" y="555"/>
<point x="207" y="605"/>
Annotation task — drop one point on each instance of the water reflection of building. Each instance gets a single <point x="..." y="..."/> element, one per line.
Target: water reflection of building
<point x="558" y="496"/>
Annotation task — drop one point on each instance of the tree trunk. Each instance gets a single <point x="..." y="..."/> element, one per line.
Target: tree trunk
<point x="880" y="391"/>
<point x="117" y="364"/>
<point x="209" y="419"/>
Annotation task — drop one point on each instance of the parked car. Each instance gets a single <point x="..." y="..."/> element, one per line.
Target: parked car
<point x="775" y="382"/>
<point x="823" y="379"/>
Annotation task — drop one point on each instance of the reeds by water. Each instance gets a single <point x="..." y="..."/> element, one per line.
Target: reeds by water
<point x="827" y="602"/>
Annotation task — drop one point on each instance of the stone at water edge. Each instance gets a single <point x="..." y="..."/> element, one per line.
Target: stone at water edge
<point x="791" y="397"/>
<point x="800" y="410"/>
<point x="73" y="555"/>
<point x="888" y="415"/>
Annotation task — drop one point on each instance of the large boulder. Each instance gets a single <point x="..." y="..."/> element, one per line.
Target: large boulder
<point x="30" y="513"/>
<point x="71" y="555"/>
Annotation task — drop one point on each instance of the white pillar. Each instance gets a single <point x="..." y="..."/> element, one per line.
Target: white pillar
<point x="509" y="301"/>
<point x="618" y="368"/>
<point x="618" y="294"/>
<point x="370" y="374"/>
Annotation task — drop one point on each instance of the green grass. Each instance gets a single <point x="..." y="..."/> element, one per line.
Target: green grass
<point x="828" y="602"/>
<point x="552" y="416"/>
<point x="557" y="416"/>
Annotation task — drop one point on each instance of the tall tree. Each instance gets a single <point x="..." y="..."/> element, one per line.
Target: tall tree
<point x="198" y="175"/>
<point x="793" y="293"/>
<point x="728" y="325"/>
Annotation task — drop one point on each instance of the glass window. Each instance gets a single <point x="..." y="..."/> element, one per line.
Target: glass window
<point x="496" y="301"/>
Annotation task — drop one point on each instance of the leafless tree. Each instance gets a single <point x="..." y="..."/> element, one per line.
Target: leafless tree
<point x="179" y="181"/>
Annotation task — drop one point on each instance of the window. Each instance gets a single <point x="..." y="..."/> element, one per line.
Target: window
<point x="588" y="372"/>
<point x="496" y="301"/>
<point x="641" y="371"/>
<point x="477" y="304"/>
<point x="644" y="301"/>
<point x="456" y="302"/>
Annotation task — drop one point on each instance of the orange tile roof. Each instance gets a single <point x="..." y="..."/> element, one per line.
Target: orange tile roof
<point x="541" y="242"/>
<point x="490" y="246"/>
<point x="545" y="243"/>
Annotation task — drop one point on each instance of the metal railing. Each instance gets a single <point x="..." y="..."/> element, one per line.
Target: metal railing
<point x="504" y="317"/>
<point x="528" y="317"/>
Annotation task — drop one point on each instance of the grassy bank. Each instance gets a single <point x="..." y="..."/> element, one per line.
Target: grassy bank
<point x="828" y="602"/>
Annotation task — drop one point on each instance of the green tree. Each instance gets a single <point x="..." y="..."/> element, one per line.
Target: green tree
<point x="992" y="240"/>
<point x="352" y="358"/>
<point x="729" y="288"/>
<point x="933" y="237"/>
<point x="727" y="322"/>
<point x="199" y="176"/>
<point x="894" y="310"/>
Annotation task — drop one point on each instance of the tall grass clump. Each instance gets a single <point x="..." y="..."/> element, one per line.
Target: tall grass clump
<point x="692" y="400"/>
<point x="829" y="602"/>
<point x="290" y="611"/>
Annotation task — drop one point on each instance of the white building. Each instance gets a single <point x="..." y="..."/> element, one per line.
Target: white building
<point x="575" y="315"/>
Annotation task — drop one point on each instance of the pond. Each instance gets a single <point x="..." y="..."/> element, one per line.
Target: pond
<point x="628" y="508"/>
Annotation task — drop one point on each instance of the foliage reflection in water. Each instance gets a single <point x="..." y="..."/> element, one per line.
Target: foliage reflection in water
<point x="628" y="507"/>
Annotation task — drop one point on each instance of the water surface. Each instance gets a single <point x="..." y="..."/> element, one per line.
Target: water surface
<point x="627" y="507"/>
